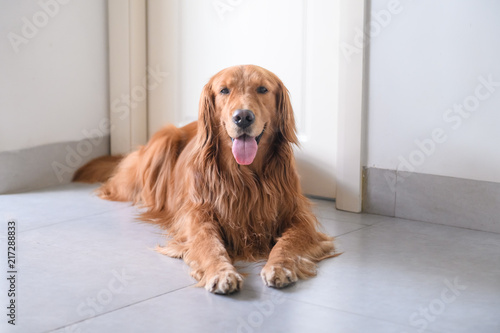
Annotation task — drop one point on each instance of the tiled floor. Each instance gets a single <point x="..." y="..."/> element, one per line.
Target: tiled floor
<point x="85" y="265"/>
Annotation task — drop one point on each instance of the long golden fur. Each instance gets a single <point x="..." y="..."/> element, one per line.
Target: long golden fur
<point x="215" y="209"/>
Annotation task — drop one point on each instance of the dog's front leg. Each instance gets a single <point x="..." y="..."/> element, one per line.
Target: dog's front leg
<point x="295" y="255"/>
<point x="210" y="262"/>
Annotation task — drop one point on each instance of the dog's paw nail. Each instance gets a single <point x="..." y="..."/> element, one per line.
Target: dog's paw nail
<point x="225" y="282"/>
<point x="214" y="284"/>
<point x="278" y="276"/>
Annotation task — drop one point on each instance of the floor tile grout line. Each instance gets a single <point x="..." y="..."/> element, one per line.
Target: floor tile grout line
<point x="333" y="219"/>
<point x="120" y="308"/>
<point x="395" y="196"/>
<point x="389" y="218"/>
<point x="73" y="219"/>
<point x="350" y="232"/>
<point x="442" y="225"/>
<point x="331" y="308"/>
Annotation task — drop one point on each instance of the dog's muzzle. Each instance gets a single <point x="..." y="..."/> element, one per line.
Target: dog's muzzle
<point x="245" y="147"/>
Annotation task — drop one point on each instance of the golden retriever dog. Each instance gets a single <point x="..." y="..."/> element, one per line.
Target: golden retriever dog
<point x="225" y="188"/>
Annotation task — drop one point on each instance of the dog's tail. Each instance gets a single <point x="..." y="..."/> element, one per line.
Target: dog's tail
<point x="98" y="170"/>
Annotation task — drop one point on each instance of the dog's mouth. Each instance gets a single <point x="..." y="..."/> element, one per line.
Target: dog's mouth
<point x="245" y="148"/>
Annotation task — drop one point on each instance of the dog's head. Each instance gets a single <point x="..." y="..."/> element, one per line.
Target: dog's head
<point x="245" y="107"/>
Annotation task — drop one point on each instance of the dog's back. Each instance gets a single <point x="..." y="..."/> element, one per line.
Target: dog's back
<point x="142" y="175"/>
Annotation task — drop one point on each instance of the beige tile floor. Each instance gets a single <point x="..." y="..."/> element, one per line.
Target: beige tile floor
<point x="86" y="265"/>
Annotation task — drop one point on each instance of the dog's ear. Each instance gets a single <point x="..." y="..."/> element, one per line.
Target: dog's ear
<point x="286" y="120"/>
<point x="206" y="117"/>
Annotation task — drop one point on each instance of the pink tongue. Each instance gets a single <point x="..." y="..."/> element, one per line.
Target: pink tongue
<point x="244" y="149"/>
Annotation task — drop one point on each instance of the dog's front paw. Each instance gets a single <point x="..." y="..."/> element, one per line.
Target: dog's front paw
<point x="224" y="282"/>
<point x="278" y="275"/>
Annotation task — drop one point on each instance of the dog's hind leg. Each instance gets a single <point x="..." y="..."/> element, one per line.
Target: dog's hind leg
<point x="124" y="185"/>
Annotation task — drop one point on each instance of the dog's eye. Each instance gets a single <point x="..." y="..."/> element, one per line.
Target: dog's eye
<point x="262" y="90"/>
<point x="224" y="91"/>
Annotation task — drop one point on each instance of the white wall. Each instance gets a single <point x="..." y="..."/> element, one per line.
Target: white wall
<point x="53" y="81"/>
<point x="426" y="58"/>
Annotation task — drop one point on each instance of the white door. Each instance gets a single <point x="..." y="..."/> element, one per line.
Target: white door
<point x="295" y="39"/>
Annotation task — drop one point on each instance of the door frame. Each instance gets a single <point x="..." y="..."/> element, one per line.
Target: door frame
<point x="136" y="43"/>
<point x="351" y="148"/>
<point x="127" y="74"/>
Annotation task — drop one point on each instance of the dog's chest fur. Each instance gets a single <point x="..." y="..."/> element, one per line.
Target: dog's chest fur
<point x="247" y="212"/>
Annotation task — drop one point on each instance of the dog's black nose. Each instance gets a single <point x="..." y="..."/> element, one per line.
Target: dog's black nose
<point x="243" y="118"/>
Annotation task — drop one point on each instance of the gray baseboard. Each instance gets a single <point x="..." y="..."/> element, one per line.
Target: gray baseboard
<point x="47" y="165"/>
<point x="451" y="201"/>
